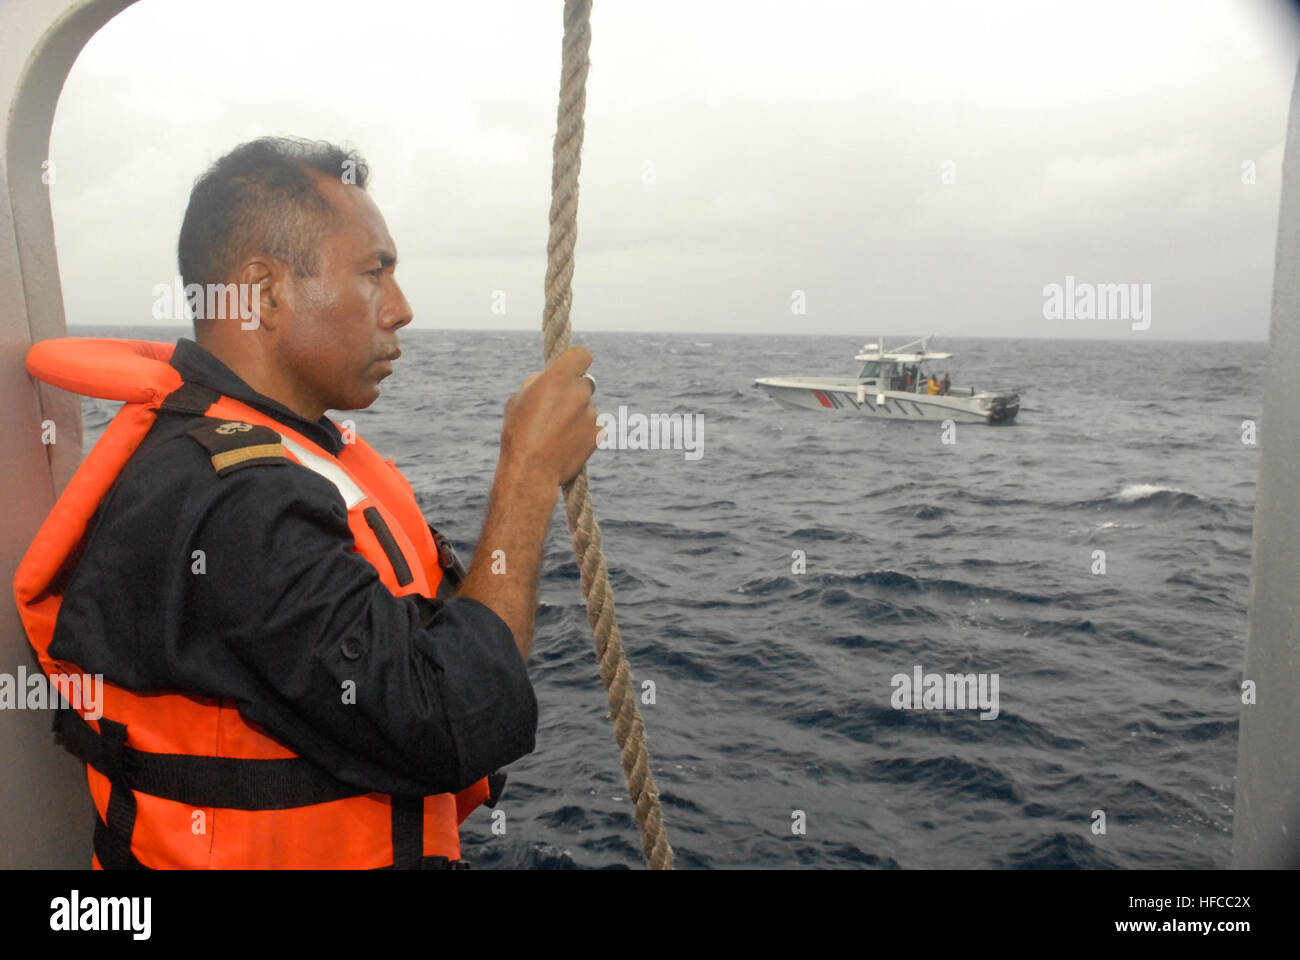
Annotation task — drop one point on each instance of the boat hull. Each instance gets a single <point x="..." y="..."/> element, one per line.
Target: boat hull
<point x="817" y="393"/>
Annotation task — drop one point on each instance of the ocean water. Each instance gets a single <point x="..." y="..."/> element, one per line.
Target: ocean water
<point x="1118" y="690"/>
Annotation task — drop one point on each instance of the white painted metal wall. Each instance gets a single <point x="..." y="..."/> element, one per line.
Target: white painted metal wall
<point x="45" y="811"/>
<point x="1266" y="819"/>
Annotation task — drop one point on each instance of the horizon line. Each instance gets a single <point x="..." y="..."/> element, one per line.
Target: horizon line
<point x="730" y="333"/>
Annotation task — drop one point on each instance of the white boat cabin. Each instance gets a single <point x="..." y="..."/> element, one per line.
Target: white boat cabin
<point x="906" y="372"/>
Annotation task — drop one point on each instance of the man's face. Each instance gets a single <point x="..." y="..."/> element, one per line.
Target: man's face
<point x="340" y="335"/>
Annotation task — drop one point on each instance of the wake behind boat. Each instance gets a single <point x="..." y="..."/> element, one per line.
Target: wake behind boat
<point x="896" y="385"/>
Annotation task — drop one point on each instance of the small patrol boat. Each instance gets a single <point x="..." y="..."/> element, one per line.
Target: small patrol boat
<point x="894" y="385"/>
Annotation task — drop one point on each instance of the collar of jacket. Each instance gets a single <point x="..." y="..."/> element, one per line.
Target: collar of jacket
<point x="197" y="365"/>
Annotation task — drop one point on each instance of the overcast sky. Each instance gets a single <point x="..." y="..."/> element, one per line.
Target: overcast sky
<point x="736" y="152"/>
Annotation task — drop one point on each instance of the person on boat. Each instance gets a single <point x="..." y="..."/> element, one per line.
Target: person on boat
<point x="944" y="385"/>
<point x="932" y="385"/>
<point x="293" y="676"/>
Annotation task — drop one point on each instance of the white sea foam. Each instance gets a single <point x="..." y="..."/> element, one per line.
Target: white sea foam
<point x="1139" y="491"/>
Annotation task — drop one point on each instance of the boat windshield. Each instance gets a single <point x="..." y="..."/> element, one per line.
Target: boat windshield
<point x="870" y="370"/>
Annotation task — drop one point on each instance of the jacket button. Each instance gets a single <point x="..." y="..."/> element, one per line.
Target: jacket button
<point x="351" y="648"/>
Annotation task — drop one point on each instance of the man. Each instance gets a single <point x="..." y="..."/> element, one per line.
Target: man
<point x="285" y="687"/>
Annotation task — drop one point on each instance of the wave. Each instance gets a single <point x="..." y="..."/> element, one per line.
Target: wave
<point x="923" y="511"/>
<point x="949" y="776"/>
<point x="1136" y="496"/>
<point x="827" y="533"/>
<point x="1136" y="492"/>
<point x="894" y="580"/>
<point x="1058" y="851"/>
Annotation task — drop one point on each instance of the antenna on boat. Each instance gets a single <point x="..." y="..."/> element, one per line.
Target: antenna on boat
<point x="923" y="341"/>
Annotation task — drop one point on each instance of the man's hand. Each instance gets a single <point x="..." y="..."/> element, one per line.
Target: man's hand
<point x="550" y="424"/>
<point x="548" y="434"/>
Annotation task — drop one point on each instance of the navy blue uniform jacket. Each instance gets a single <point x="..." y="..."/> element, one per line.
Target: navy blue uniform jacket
<point x="285" y="612"/>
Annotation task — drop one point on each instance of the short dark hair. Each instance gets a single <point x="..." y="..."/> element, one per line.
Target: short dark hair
<point x="260" y="198"/>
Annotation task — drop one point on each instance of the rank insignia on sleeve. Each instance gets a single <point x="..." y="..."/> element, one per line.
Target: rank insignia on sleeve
<point x="233" y="444"/>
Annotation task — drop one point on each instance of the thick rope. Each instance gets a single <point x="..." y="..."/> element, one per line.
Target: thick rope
<point x="629" y="731"/>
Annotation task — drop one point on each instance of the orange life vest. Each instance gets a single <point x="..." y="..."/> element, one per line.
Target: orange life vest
<point x="182" y="781"/>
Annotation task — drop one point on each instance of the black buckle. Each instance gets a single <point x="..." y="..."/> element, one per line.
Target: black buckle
<point x="443" y="863"/>
<point x="447" y="558"/>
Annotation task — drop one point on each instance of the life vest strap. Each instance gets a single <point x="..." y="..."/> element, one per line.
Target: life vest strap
<point x="112" y="838"/>
<point x="191" y="398"/>
<point x="408" y="832"/>
<point x="222" y="782"/>
<point x="114" y="853"/>
<point x="401" y="569"/>
<point x="112" y="848"/>
<point x="231" y="783"/>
